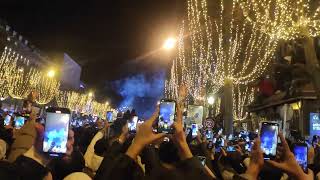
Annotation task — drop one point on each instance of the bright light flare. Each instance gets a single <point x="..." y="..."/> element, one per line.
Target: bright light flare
<point x="170" y="43"/>
<point x="211" y="100"/>
<point x="51" y="73"/>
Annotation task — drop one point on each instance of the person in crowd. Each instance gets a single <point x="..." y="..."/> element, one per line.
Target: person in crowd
<point x="102" y="134"/>
<point x="26" y="136"/>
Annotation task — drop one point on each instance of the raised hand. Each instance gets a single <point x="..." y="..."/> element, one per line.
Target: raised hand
<point x="288" y="162"/>
<point x="144" y="136"/>
<point x="179" y="137"/>
<point x="256" y="159"/>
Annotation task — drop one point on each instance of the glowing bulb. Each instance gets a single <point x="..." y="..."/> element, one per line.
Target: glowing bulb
<point x="211" y="100"/>
<point x="170" y="43"/>
<point x="51" y="73"/>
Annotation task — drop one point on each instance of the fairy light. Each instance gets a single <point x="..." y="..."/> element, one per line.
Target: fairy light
<point x="46" y="87"/>
<point x="21" y="83"/>
<point x="241" y="96"/>
<point x="215" y="52"/>
<point x="283" y="19"/>
<point x="192" y="66"/>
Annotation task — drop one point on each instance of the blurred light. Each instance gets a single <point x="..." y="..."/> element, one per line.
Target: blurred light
<point x="107" y="103"/>
<point x="90" y="94"/>
<point x="170" y="43"/>
<point x="51" y="73"/>
<point x="2" y="99"/>
<point x="20" y="69"/>
<point x="211" y="100"/>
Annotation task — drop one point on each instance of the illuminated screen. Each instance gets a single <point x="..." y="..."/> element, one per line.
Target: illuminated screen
<point x="132" y="124"/>
<point x="56" y="133"/>
<point x="269" y="139"/>
<point x="166" y="117"/>
<point x="194" y="128"/>
<point x="109" y="116"/>
<point x="314" y="124"/>
<point x="300" y="153"/>
<point x="7" y="120"/>
<point x="18" y="122"/>
<point x="195" y="114"/>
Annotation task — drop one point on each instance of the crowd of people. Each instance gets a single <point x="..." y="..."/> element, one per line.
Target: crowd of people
<point x="102" y="150"/>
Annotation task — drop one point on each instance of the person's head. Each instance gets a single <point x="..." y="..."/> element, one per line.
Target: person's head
<point x="314" y="140"/>
<point x="27" y="106"/>
<point x="118" y="127"/>
<point x="62" y="167"/>
<point x="168" y="152"/>
<point x="101" y="147"/>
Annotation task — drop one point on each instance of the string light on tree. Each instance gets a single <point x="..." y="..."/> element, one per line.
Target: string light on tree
<point x="22" y="81"/>
<point x="284" y="19"/>
<point x="242" y="96"/>
<point x="46" y="87"/>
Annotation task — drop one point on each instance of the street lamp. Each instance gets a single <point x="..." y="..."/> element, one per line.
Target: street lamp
<point x="170" y="43"/>
<point x="211" y="100"/>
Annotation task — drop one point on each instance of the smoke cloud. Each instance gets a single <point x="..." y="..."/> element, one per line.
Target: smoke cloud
<point x="141" y="92"/>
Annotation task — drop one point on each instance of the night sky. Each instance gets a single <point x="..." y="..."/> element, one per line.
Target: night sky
<point x="105" y="37"/>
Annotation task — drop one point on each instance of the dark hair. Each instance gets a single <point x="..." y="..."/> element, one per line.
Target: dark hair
<point x="28" y="168"/>
<point x="168" y="152"/>
<point x="63" y="167"/>
<point x="101" y="147"/>
<point x="116" y="127"/>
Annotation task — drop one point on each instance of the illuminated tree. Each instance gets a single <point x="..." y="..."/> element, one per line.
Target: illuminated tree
<point x="68" y="99"/>
<point x="289" y="20"/>
<point x="46" y="88"/>
<point x="8" y="62"/>
<point x="284" y="19"/>
<point x="242" y="96"/>
<point x="22" y="81"/>
<point x="224" y="50"/>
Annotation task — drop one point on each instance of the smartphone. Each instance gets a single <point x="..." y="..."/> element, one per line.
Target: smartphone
<point x="300" y="151"/>
<point x="231" y="149"/>
<point x="209" y="134"/>
<point x="248" y="146"/>
<point x="166" y="116"/>
<point x="202" y="159"/>
<point x="269" y="139"/>
<point x="194" y="129"/>
<point x="109" y="116"/>
<point x="18" y="122"/>
<point x="56" y="131"/>
<point x="194" y="114"/>
<point x="7" y="120"/>
<point x="132" y="124"/>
